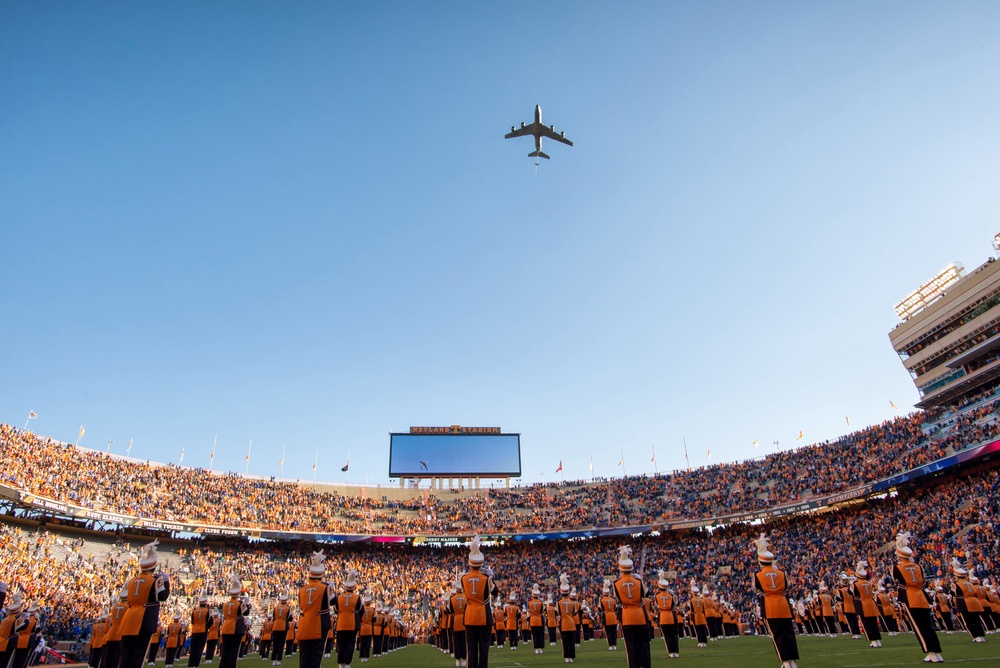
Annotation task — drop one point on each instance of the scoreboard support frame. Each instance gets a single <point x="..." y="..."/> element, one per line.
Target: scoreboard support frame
<point x="460" y="483"/>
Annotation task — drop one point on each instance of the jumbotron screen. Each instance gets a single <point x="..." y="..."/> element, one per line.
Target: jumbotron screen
<point x="424" y="455"/>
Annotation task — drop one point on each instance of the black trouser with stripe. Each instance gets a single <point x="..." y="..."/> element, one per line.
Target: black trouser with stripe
<point x="461" y="651"/>
<point x="278" y="642"/>
<point x="923" y="626"/>
<point x="870" y="626"/>
<point x="636" y="638"/>
<point x="197" y="649"/>
<point x="537" y="637"/>
<point x="345" y="646"/>
<point x="569" y="644"/>
<point x="311" y="653"/>
<point x="782" y="632"/>
<point x="477" y="640"/>
<point x="230" y="653"/>
<point x="669" y="632"/>
<point x="210" y="648"/>
<point x="134" y="649"/>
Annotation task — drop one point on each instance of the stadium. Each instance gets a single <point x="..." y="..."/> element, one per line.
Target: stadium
<point x="305" y="229"/>
<point x="73" y="518"/>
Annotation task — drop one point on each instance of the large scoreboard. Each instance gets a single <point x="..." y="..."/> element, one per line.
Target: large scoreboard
<point x="441" y="452"/>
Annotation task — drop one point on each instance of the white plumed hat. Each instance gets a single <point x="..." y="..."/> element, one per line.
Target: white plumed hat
<point x="316" y="567"/>
<point x="147" y="556"/>
<point x="764" y="554"/>
<point x="476" y="557"/>
<point x="625" y="558"/>
<point x="903" y="548"/>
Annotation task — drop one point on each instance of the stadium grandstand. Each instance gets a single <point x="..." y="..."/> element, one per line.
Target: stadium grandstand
<point x="72" y="518"/>
<point x="79" y="513"/>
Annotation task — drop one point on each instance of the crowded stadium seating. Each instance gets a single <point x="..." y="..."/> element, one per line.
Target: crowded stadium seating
<point x="73" y="574"/>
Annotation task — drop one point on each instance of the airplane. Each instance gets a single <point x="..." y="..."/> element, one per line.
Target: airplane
<point x="537" y="130"/>
<point x="423" y="466"/>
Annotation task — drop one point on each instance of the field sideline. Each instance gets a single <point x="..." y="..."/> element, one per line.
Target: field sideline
<point x="746" y="652"/>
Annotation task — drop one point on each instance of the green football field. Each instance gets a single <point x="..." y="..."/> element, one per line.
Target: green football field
<point x="747" y="652"/>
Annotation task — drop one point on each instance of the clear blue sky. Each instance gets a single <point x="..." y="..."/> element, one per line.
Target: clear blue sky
<point x="299" y="223"/>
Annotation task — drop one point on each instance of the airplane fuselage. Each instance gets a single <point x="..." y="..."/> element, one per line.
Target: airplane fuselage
<point x="538" y="127"/>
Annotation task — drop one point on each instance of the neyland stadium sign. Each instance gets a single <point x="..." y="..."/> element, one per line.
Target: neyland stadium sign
<point x="63" y="509"/>
<point x="455" y="429"/>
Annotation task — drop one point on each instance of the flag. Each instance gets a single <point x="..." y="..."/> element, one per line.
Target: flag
<point x="182" y="456"/>
<point x="32" y="415"/>
<point x="560" y="466"/>
<point x="247" y="458"/>
<point x="709" y="455"/>
<point x="893" y="405"/>
<point x="622" y="462"/>
<point x="799" y="437"/>
<point x="755" y="443"/>
<point x="654" y="458"/>
<point x="848" y="420"/>
<point x="82" y="432"/>
<point x="314" y="466"/>
<point x="346" y="466"/>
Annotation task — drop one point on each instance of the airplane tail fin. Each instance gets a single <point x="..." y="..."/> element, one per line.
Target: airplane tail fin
<point x="537" y="154"/>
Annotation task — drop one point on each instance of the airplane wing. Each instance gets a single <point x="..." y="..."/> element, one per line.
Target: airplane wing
<point x="557" y="136"/>
<point x="526" y="131"/>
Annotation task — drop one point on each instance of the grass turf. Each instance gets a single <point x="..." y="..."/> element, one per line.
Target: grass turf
<point x="746" y="652"/>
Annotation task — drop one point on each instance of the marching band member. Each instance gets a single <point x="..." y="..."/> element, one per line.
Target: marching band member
<point x="609" y="616"/>
<point x="910" y="592"/>
<point x="567" y="608"/>
<point x="478" y="587"/>
<point x="456" y="606"/>
<point x="967" y="603"/>
<point x="349" y="611"/>
<point x="774" y="607"/>
<point x="201" y="621"/>
<point x="365" y="634"/>
<point x="283" y="618"/>
<point x="314" y="614"/>
<point x="234" y="625"/>
<point x="668" y="620"/>
<point x="864" y="593"/>
<point x="174" y="640"/>
<point x="630" y="592"/>
<point x="145" y="593"/>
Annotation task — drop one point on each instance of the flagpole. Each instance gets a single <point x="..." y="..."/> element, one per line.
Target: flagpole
<point x="110" y="441"/>
<point x="347" y="473"/>
<point x="249" y="448"/>
<point x="211" y="458"/>
<point x="129" y="449"/>
<point x="181" y="460"/>
<point x="562" y="474"/>
<point x="315" y="462"/>
<point x="656" y="467"/>
<point x="622" y="448"/>
<point x="281" y="464"/>
<point x="593" y="476"/>
<point x="686" y="459"/>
